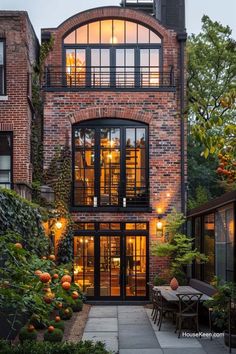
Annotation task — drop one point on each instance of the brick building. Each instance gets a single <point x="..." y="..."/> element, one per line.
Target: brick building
<point x="114" y="87"/>
<point x="18" y="55"/>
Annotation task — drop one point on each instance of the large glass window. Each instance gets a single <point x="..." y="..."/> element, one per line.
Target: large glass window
<point x="209" y="247"/>
<point x="225" y="243"/>
<point x="2" y="67"/>
<point x="112" y="53"/>
<point x="110" y="164"/>
<point x="5" y="160"/>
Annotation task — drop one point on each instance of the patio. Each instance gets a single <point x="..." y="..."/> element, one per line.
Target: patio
<point x="130" y="330"/>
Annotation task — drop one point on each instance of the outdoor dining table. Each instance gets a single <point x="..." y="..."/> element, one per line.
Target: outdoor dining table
<point x="171" y="295"/>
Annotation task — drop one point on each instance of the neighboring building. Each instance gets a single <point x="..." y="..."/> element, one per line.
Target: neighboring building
<point x="18" y="55"/>
<point x="213" y="227"/>
<point x="114" y="84"/>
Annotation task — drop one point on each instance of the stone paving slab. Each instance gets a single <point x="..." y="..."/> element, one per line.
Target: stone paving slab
<point x="184" y="351"/>
<point x="132" y="309"/>
<point x="101" y="325"/>
<point x="167" y="324"/>
<point x="103" y="311"/>
<point x="109" y="338"/>
<point x="171" y="340"/>
<point x="137" y="337"/>
<point x="141" y="351"/>
<point x="132" y="318"/>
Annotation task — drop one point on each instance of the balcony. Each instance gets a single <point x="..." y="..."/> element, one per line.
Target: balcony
<point x="127" y="78"/>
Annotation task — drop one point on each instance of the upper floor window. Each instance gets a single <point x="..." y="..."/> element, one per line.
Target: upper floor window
<point x="112" y="32"/>
<point x="2" y="67"/>
<point x="112" y="53"/>
<point x="110" y="164"/>
<point x="5" y="160"/>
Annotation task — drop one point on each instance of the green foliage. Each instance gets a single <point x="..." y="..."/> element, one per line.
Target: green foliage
<point x="21" y="217"/>
<point x="66" y="313"/>
<point x="219" y="303"/>
<point x="65" y="245"/>
<point x="20" y="289"/>
<point x="55" y="336"/>
<point x="158" y="281"/>
<point x="37" y="321"/>
<point x="59" y="177"/>
<point x="201" y="197"/>
<point x="178" y="247"/>
<point x="86" y="347"/>
<point x="24" y="334"/>
<point x="77" y="306"/>
<point x="211" y="88"/>
<point x="60" y="325"/>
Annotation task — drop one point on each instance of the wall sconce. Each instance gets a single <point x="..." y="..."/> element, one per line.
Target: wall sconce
<point x="58" y="225"/>
<point x="159" y="227"/>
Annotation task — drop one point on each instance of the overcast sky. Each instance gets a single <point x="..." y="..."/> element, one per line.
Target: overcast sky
<point x="50" y="13"/>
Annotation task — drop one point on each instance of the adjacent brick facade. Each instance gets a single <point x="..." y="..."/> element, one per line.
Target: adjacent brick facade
<point x="15" y="112"/>
<point x="161" y="110"/>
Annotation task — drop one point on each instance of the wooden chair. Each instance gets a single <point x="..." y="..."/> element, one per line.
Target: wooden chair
<point x="188" y="309"/>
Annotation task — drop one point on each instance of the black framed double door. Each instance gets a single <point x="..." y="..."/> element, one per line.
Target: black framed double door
<point x="111" y="265"/>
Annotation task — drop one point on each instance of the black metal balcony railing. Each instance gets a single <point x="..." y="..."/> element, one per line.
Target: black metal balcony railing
<point x="104" y="77"/>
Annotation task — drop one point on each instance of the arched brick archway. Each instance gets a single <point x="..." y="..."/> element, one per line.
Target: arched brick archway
<point x="103" y="112"/>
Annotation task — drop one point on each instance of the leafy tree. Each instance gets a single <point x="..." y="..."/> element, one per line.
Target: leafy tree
<point x="212" y="92"/>
<point x="178" y="247"/>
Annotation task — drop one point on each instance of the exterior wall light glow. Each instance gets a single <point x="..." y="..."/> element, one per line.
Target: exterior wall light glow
<point x="58" y="225"/>
<point x="159" y="225"/>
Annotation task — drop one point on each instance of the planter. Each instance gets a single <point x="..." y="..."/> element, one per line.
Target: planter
<point x="233" y="339"/>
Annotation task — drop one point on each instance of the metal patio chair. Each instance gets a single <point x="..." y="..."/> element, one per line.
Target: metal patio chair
<point x="188" y="310"/>
<point x="161" y="308"/>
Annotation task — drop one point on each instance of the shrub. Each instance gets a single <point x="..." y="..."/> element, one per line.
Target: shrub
<point x="66" y="313"/>
<point x="86" y="347"/>
<point x="60" y="325"/>
<point x="24" y="334"/>
<point x="55" y="336"/>
<point x="19" y="216"/>
<point x="77" y="305"/>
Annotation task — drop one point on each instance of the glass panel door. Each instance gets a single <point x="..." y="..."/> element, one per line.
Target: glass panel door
<point x="84" y="263"/>
<point x="136" y="266"/>
<point x="110" y="265"/>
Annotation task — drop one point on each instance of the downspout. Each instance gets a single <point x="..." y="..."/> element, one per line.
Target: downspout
<point x="182" y="37"/>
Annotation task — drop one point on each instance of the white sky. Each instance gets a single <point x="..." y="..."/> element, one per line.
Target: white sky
<point x="50" y="13"/>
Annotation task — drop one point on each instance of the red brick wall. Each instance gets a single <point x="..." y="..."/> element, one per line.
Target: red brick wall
<point x="161" y="110"/>
<point x="15" y="114"/>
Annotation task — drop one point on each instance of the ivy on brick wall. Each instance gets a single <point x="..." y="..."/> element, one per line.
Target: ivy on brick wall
<point x="58" y="176"/>
<point x="17" y="215"/>
<point x="37" y="125"/>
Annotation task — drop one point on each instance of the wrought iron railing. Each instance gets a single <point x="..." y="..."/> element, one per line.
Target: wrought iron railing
<point x="104" y="77"/>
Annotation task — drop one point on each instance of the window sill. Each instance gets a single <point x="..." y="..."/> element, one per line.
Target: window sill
<point x="3" y="98"/>
<point x="146" y="209"/>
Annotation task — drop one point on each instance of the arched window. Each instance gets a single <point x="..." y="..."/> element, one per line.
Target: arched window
<point x="110" y="163"/>
<point x="112" y="53"/>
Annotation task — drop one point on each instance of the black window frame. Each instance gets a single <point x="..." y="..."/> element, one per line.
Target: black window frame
<point x="112" y="47"/>
<point x="107" y="123"/>
<point x="10" y="134"/>
<point x="3" y="70"/>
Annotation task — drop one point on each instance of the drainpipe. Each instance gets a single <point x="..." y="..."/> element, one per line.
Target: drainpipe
<point x="182" y="37"/>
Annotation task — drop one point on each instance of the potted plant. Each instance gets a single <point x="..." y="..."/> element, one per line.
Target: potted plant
<point x="219" y="307"/>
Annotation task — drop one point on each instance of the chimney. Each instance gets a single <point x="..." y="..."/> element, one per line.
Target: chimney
<point x="171" y="13"/>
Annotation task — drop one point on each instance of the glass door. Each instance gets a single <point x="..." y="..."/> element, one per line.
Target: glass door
<point x="110" y="266"/>
<point x="136" y="266"/>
